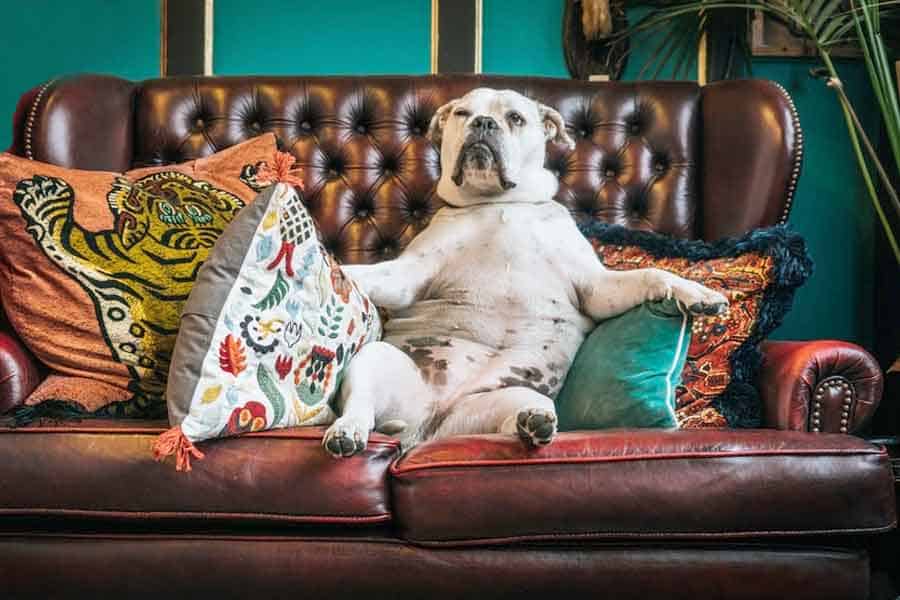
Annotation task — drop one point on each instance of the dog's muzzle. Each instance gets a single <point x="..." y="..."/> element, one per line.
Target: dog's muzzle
<point x="481" y="149"/>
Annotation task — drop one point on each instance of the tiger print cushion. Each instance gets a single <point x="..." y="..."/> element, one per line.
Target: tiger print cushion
<point x="95" y="268"/>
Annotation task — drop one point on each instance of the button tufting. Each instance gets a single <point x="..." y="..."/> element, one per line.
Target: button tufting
<point x="637" y="207"/>
<point x="610" y="173"/>
<point x="361" y="129"/>
<point x="255" y="126"/>
<point x="199" y="123"/>
<point x="305" y="125"/>
<point x="659" y="167"/>
<point x="389" y="165"/>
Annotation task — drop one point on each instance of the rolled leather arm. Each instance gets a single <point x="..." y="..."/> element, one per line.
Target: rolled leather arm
<point x="19" y="372"/>
<point x="821" y="386"/>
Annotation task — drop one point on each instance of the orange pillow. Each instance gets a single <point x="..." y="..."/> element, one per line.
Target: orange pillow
<point x="759" y="274"/>
<point x="95" y="268"/>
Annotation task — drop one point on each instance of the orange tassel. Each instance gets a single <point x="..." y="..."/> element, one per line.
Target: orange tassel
<point x="174" y="442"/>
<point x="280" y="171"/>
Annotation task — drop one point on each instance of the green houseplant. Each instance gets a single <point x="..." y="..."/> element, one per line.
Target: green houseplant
<point x="827" y="23"/>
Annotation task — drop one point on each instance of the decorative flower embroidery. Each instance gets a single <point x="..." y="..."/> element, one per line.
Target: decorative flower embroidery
<point x="316" y="367"/>
<point x="245" y="419"/>
<point x="283" y="316"/>
<point x="260" y="335"/>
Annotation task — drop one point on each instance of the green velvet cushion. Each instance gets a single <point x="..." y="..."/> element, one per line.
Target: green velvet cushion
<point x="626" y="371"/>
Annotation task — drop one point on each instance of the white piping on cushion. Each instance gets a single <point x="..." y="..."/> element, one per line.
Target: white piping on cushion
<point x="670" y="391"/>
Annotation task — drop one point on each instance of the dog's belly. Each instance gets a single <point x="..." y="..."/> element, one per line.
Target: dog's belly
<point x="500" y="314"/>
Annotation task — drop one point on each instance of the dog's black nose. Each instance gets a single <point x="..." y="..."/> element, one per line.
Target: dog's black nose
<point x="485" y="125"/>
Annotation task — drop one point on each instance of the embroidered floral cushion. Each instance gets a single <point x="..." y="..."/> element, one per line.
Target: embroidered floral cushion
<point x="759" y="274"/>
<point x="267" y="331"/>
<point x="95" y="268"/>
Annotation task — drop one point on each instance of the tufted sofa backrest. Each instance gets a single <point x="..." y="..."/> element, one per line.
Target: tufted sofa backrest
<point x="671" y="157"/>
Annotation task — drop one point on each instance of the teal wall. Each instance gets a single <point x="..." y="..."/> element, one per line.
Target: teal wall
<point x="332" y="38"/>
<point x="44" y="39"/>
<point x="831" y="209"/>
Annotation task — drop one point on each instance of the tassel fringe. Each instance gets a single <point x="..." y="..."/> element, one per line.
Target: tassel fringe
<point x="282" y="170"/>
<point x="174" y="442"/>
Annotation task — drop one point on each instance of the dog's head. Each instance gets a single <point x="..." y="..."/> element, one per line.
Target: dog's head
<point x="493" y="145"/>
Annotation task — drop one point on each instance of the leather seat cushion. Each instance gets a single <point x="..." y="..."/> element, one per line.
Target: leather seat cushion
<point x="654" y="484"/>
<point x="105" y="470"/>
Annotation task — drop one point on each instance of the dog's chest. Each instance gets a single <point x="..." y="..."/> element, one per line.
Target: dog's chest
<point x="503" y="281"/>
<point x="505" y="257"/>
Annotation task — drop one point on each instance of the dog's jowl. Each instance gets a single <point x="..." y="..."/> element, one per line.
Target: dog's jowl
<point x="489" y="304"/>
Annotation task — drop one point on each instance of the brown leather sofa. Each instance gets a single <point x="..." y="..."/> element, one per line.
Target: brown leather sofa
<point x="781" y="512"/>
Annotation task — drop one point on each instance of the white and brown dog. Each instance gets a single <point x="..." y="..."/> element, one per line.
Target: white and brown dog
<point x="489" y="304"/>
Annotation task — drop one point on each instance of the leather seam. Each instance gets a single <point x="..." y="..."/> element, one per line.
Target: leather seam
<point x="399" y="470"/>
<point x="198" y="537"/>
<point x="650" y="535"/>
<point x="166" y="515"/>
<point x="32" y="115"/>
<point x="272" y="434"/>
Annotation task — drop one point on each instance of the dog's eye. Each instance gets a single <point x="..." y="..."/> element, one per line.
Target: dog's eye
<point x="461" y="112"/>
<point x="516" y="119"/>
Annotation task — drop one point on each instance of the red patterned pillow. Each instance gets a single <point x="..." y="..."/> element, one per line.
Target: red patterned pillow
<point x="758" y="272"/>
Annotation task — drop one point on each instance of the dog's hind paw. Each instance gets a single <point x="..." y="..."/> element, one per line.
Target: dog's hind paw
<point x="536" y="426"/>
<point x="345" y="438"/>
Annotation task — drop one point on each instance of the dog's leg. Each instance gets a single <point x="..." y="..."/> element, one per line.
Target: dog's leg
<point x="392" y="284"/>
<point x="382" y="386"/>
<point x="603" y="293"/>
<point x="514" y="410"/>
<point x="610" y="293"/>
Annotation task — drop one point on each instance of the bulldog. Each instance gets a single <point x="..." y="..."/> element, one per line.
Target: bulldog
<point x="490" y="302"/>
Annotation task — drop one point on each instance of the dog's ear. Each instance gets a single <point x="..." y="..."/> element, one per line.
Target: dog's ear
<point x="436" y="128"/>
<point x="555" y="127"/>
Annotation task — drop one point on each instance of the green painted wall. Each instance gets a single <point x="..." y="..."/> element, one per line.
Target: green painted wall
<point x="528" y="40"/>
<point x="45" y="39"/>
<point x="830" y="210"/>
<point x="330" y="38"/>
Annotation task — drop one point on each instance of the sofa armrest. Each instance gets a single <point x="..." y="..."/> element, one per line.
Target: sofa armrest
<point x="19" y="372"/>
<point x="821" y="386"/>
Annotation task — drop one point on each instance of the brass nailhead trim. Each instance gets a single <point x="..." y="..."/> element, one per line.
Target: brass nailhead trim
<point x="32" y="115"/>
<point x="798" y="155"/>
<point x="837" y="383"/>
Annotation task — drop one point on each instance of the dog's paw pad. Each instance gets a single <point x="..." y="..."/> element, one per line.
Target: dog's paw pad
<point x="709" y="309"/>
<point x="344" y="439"/>
<point x="536" y="426"/>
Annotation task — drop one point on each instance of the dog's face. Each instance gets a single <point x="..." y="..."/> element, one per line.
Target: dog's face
<point x="493" y="145"/>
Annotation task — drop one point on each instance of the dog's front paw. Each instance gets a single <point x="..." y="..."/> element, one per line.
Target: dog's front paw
<point x="698" y="299"/>
<point x="536" y="426"/>
<point x="345" y="438"/>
